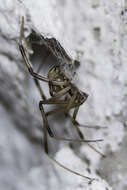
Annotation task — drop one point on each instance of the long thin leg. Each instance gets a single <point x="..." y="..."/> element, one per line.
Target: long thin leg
<point x="71" y="102"/>
<point x="76" y="124"/>
<point x="39" y="89"/>
<point x="58" y="163"/>
<point x="60" y="94"/>
<point x="73" y="119"/>
<point x="54" y="136"/>
<point x="63" y="108"/>
<point x="60" y="109"/>
<point x="28" y="64"/>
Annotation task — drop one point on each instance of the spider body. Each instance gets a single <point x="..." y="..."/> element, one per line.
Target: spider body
<point x="56" y="74"/>
<point x="63" y="93"/>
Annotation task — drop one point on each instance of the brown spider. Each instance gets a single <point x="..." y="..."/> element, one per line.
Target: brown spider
<point x="63" y="92"/>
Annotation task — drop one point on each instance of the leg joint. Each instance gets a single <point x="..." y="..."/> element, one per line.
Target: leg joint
<point x="31" y="71"/>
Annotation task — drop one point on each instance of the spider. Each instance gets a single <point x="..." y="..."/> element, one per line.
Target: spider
<point x="63" y="92"/>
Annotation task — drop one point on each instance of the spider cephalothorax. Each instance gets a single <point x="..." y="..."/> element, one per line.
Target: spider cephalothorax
<point x="56" y="74"/>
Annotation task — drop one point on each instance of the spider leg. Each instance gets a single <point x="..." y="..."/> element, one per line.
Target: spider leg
<point x="60" y="109"/>
<point x="58" y="163"/>
<point x="71" y="102"/>
<point x="58" y="95"/>
<point x="75" y="123"/>
<point x="26" y="60"/>
<point x="46" y="125"/>
<point x="39" y="89"/>
<point x="29" y="65"/>
<point x="73" y="119"/>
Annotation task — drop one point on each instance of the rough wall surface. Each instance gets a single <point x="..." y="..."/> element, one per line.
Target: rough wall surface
<point x="93" y="31"/>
